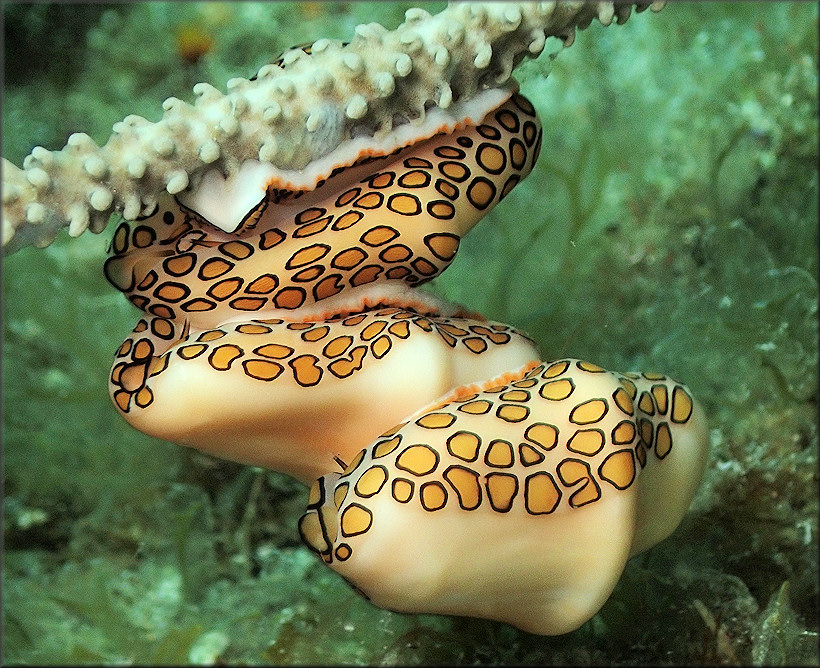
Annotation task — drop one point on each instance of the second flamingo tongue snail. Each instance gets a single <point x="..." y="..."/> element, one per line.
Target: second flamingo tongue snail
<point x="274" y="239"/>
<point x="304" y="320"/>
<point x="519" y="499"/>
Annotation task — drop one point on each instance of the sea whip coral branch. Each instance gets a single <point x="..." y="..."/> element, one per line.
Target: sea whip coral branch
<point x="293" y="112"/>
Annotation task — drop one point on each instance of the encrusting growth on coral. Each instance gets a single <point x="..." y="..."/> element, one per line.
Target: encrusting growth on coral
<point x="294" y="112"/>
<point x="273" y="239"/>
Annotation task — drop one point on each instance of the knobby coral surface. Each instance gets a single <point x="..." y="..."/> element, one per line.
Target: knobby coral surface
<point x="290" y="115"/>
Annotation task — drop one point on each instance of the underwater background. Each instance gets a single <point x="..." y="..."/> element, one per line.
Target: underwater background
<point x="671" y="225"/>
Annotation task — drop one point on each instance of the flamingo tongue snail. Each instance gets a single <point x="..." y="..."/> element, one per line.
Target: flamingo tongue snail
<point x="519" y="499"/>
<point x="299" y="337"/>
<point x="274" y="239"/>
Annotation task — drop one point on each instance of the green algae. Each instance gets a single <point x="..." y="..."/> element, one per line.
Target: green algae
<point x="671" y="224"/>
<point x="780" y="638"/>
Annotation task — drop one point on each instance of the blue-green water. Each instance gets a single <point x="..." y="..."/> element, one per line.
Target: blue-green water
<point x="671" y="224"/>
